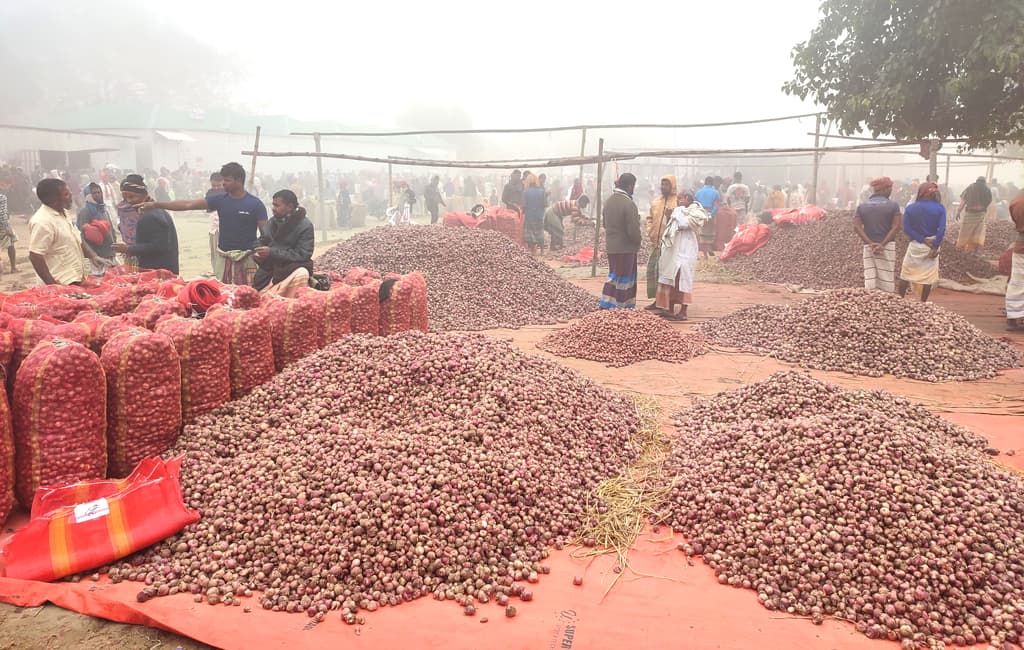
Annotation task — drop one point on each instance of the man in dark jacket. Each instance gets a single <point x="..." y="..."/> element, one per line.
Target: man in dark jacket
<point x="622" y="234"/>
<point x="285" y="252"/>
<point x="156" y="238"/>
<point x="512" y="195"/>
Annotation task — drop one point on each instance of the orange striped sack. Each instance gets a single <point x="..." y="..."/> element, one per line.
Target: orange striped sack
<point x="67" y="535"/>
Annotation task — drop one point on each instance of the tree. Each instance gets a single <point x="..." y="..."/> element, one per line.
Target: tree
<point x="917" y="69"/>
<point x="103" y="51"/>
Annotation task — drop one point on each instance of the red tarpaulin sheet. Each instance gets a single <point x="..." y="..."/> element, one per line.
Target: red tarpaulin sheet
<point x="659" y="602"/>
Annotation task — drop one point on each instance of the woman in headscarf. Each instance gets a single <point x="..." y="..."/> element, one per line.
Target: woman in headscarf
<point x="1015" y="288"/>
<point x="659" y="216"/>
<point x="677" y="263"/>
<point x="577" y="190"/>
<point x="97" y="230"/>
<point x="128" y="213"/>
<point x="924" y="222"/>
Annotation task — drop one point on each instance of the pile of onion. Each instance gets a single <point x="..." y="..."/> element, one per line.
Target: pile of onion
<point x="869" y="333"/>
<point x="476" y="279"/>
<point x="620" y="337"/>
<point x="380" y="470"/>
<point x="854" y="505"/>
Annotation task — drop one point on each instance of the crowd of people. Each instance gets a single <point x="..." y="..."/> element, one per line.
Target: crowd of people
<point x="79" y="226"/>
<point x="682" y="224"/>
<point x="70" y="239"/>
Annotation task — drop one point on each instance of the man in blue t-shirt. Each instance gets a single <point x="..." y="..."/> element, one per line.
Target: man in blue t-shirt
<point x="877" y="222"/>
<point x="241" y="217"/>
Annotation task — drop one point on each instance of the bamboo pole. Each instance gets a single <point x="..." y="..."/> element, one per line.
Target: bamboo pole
<point x="320" y="188"/>
<point x="391" y="186"/>
<point x="597" y="207"/>
<point x="583" y="151"/>
<point x="817" y="159"/>
<point x="577" y="127"/>
<point x="255" y="153"/>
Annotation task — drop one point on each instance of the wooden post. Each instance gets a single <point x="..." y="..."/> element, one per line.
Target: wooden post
<point x="817" y="159"/>
<point x="597" y="206"/>
<point x="255" y="153"/>
<point x="320" y="188"/>
<point x="583" y="151"/>
<point x="933" y="159"/>
<point x="391" y="186"/>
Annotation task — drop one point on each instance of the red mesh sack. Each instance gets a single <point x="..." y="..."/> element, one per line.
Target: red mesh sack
<point x="293" y="329"/>
<point x="143" y="397"/>
<point x="420" y="319"/>
<point x="103" y="327"/>
<point x="67" y="307"/>
<point x="396" y="308"/>
<point x="357" y="276"/>
<point x="25" y="333"/>
<point x="366" y="309"/>
<point x="6" y="351"/>
<point x="87" y="525"/>
<point x="241" y="296"/>
<point x="60" y="417"/>
<point x="153" y="308"/>
<point x="115" y="301"/>
<point x="334" y="309"/>
<point x="6" y="459"/>
<point x="251" y="347"/>
<point x="204" y="353"/>
<point x="22" y="309"/>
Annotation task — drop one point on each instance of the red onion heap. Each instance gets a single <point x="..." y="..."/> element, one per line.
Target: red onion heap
<point x="620" y="337"/>
<point x="857" y="505"/>
<point x="867" y="333"/>
<point x="379" y="470"/>
<point x="476" y="279"/>
<point x="827" y="254"/>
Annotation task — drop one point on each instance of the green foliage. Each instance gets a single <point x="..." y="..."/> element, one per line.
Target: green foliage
<point x="916" y="69"/>
<point x="62" y="56"/>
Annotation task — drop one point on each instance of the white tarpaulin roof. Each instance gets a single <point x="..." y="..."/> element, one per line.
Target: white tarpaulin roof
<point x="175" y="136"/>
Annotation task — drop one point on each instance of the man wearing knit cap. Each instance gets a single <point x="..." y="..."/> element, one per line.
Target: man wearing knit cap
<point x="877" y="222"/>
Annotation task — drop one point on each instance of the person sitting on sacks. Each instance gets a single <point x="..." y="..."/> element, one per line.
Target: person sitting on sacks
<point x="284" y="253"/>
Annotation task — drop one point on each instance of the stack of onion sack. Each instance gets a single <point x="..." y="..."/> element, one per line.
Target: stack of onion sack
<point x="476" y="279"/>
<point x="60" y="419"/>
<point x="103" y="328"/>
<point x="153" y="308"/>
<point x="26" y="335"/>
<point x="828" y="254"/>
<point x="250" y="347"/>
<point x="204" y="350"/>
<point x="383" y="469"/>
<point x="295" y="327"/>
<point x="143" y="398"/>
<point x="620" y="337"/>
<point x="336" y="309"/>
<point x="6" y="458"/>
<point x="867" y="333"/>
<point x="403" y="303"/>
<point x="857" y="505"/>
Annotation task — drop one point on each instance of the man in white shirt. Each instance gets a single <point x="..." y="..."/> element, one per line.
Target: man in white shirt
<point x="737" y="197"/>
<point x="55" y="246"/>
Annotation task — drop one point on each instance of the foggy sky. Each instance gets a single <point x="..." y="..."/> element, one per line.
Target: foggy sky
<point x="517" y="64"/>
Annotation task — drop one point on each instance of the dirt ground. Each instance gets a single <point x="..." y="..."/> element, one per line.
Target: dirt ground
<point x="993" y="408"/>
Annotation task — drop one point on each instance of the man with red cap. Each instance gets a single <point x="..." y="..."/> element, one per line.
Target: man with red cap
<point x="877" y="222"/>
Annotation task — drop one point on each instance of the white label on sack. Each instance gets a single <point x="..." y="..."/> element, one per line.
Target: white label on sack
<point x="91" y="510"/>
